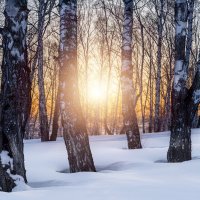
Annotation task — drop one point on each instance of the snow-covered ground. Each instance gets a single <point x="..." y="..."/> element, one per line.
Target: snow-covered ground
<point x="122" y="174"/>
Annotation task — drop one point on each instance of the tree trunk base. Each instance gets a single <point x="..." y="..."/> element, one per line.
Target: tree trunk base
<point x="133" y="137"/>
<point x="132" y="132"/>
<point x="179" y="149"/>
<point x="79" y="153"/>
<point x="6" y="182"/>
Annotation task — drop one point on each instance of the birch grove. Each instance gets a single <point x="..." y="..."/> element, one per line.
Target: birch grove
<point x="76" y="68"/>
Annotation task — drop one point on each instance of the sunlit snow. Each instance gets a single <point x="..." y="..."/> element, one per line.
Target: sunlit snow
<point x="122" y="174"/>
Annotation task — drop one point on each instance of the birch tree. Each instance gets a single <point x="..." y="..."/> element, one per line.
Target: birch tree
<point x="15" y="95"/>
<point x="184" y="101"/>
<point x="159" y="7"/>
<point x="44" y="128"/>
<point x="44" y="9"/>
<point x="74" y="126"/>
<point x="130" y="125"/>
<point x="56" y="113"/>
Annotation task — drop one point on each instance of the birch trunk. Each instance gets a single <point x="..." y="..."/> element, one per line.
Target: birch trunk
<point x="169" y="88"/>
<point x="180" y="140"/>
<point x="193" y="96"/>
<point x="44" y="128"/>
<point x="189" y="32"/>
<point x="150" y="89"/>
<point x="15" y="94"/>
<point x="158" y="76"/>
<point x="55" y="125"/>
<point x="130" y="125"/>
<point x="74" y="126"/>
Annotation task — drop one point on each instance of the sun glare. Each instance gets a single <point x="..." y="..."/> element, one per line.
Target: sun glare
<point x="96" y="92"/>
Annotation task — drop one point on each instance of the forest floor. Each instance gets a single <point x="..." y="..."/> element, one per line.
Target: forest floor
<point x="122" y="174"/>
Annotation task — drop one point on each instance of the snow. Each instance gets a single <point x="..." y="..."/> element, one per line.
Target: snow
<point x="10" y="8"/>
<point x="196" y="96"/>
<point x="181" y="28"/>
<point x="180" y="74"/>
<point x="19" y="181"/>
<point x="6" y="159"/>
<point x="15" y="52"/>
<point x="122" y="174"/>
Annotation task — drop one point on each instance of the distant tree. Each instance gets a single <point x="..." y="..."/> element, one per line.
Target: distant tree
<point x="159" y="7"/>
<point x="15" y="95"/>
<point x="56" y="114"/>
<point x="44" y="9"/>
<point x="130" y="124"/>
<point x="74" y="126"/>
<point x="44" y="128"/>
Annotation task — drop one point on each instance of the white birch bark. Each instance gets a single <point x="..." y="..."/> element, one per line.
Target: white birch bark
<point x="74" y="127"/>
<point x="130" y="125"/>
<point x="159" y="64"/>
<point x="44" y="128"/>
<point x="180" y="140"/>
<point x="15" y="94"/>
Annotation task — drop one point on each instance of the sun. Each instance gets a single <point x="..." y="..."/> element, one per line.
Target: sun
<point x="96" y="92"/>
